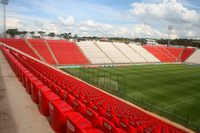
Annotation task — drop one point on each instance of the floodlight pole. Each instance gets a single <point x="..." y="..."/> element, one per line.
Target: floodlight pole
<point x="169" y="37"/>
<point x="4" y="14"/>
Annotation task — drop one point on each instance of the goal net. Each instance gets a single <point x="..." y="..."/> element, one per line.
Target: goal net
<point x="108" y="85"/>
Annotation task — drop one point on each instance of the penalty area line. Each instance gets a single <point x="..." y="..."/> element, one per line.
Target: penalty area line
<point x="178" y="103"/>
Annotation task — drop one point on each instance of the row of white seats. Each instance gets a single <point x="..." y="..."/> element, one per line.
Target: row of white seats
<point x="108" y="52"/>
<point x="194" y="58"/>
<point x="144" y="53"/>
<point x="130" y="53"/>
<point x="93" y="53"/>
<point x="112" y="52"/>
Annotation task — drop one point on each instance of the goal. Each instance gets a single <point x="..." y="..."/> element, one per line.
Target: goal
<point x="108" y="85"/>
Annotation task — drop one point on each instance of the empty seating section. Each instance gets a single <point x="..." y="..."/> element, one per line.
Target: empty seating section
<point x="194" y="58"/>
<point x="74" y="106"/>
<point x="130" y="53"/>
<point x="186" y="53"/>
<point x="93" y="53"/>
<point x="176" y="52"/>
<point x="86" y="52"/>
<point x="158" y="53"/>
<point x="144" y="53"/>
<point x="42" y="49"/>
<point x="170" y="54"/>
<point x="19" y="44"/>
<point x="67" y="52"/>
<point x="166" y="53"/>
<point x="113" y="53"/>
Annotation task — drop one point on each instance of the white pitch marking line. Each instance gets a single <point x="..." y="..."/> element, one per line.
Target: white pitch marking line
<point x="178" y="103"/>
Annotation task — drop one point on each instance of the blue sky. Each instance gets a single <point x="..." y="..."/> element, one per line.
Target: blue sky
<point x="126" y="18"/>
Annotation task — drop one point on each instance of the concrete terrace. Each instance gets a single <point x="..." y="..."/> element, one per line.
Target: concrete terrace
<point x="18" y="114"/>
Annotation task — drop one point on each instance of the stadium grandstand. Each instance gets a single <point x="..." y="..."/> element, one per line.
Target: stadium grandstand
<point x="76" y="99"/>
<point x="97" y="81"/>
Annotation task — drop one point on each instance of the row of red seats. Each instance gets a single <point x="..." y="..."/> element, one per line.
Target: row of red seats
<point x="102" y="110"/>
<point x="62" y="117"/>
<point x="169" y="54"/>
<point x="186" y="53"/>
<point x="72" y="101"/>
<point x="42" y="49"/>
<point x="19" y="44"/>
<point x="159" y="53"/>
<point x="176" y="52"/>
<point x="67" y="52"/>
<point x="90" y="92"/>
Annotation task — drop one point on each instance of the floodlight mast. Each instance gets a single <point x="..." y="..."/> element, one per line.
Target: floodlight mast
<point x="4" y="2"/>
<point x="4" y="14"/>
<point x="169" y="28"/>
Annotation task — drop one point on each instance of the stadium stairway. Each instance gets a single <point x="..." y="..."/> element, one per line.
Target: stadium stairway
<point x="35" y="51"/>
<point x="51" y="52"/>
<point x="72" y="105"/>
<point x="118" y="48"/>
<point x="143" y="58"/>
<point x="158" y="52"/>
<point x="93" y="53"/>
<point x="194" y="58"/>
<point x="144" y="53"/>
<point x="112" y="52"/>
<point x="167" y="53"/>
<point x="186" y="53"/>
<point x="21" y="45"/>
<point x="170" y="54"/>
<point x="104" y="52"/>
<point x="40" y="46"/>
<point x="67" y="52"/>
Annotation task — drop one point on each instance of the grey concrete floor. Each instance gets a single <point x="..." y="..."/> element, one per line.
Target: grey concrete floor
<point x="18" y="114"/>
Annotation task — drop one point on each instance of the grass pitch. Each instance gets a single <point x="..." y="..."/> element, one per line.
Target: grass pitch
<point x="172" y="87"/>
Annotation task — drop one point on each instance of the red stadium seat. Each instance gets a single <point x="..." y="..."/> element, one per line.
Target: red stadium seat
<point x="78" y="106"/>
<point x="44" y="98"/>
<point x="93" y="117"/>
<point x="76" y="123"/>
<point x="128" y="128"/>
<point x="30" y="79"/>
<point x="58" y="115"/>
<point x="36" y="85"/>
<point x="68" y="98"/>
<point x="109" y="127"/>
<point x="102" y="111"/>
<point x="60" y="92"/>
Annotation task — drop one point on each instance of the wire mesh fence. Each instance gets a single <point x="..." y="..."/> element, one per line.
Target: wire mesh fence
<point x="116" y="85"/>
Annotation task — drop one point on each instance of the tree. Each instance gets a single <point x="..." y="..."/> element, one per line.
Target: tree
<point x="12" y="32"/>
<point x="66" y="35"/>
<point x="41" y="33"/>
<point x="52" y="34"/>
<point x="23" y="33"/>
<point x="32" y="32"/>
<point x="69" y="35"/>
<point x="75" y="36"/>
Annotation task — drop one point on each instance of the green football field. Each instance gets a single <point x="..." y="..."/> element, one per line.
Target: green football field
<point x="173" y="88"/>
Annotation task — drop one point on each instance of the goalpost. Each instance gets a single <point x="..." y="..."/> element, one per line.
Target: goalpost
<point x="108" y="85"/>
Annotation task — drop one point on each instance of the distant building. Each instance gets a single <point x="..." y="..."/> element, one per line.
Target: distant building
<point x="151" y="42"/>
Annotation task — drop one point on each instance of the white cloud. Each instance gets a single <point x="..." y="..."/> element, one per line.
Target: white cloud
<point x="168" y="10"/>
<point x="142" y="30"/>
<point x="94" y="28"/>
<point x="69" y="21"/>
<point x="13" y="23"/>
<point x="149" y="18"/>
<point x="93" y="25"/>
